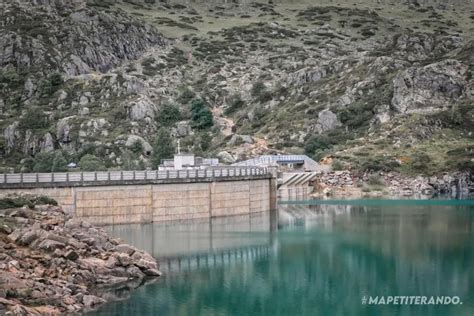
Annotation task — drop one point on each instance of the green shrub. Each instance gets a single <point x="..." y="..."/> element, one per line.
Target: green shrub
<point x="201" y="116"/>
<point x="337" y="165"/>
<point x="317" y="143"/>
<point x="11" y="78"/>
<point x="235" y="103"/>
<point x="378" y="163"/>
<point x="205" y="141"/>
<point x="26" y="200"/>
<point x="90" y="162"/>
<point x="59" y="163"/>
<point x="45" y="200"/>
<point x="168" y="115"/>
<point x="186" y="96"/>
<point x="163" y="147"/>
<point x="260" y="92"/>
<point x="50" y="85"/>
<point x="375" y="179"/>
<point x="420" y="161"/>
<point x="258" y="88"/>
<point x="50" y="162"/>
<point x="137" y="147"/>
<point x="34" y="119"/>
<point x="14" y="202"/>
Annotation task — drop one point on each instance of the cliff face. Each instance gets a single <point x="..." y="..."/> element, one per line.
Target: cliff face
<point x="41" y="37"/>
<point x="363" y="85"/>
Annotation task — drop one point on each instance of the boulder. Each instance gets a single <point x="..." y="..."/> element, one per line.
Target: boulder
<point x="226" y="157"/>
<point x="92" y="300"/>
<point x="183" y="128"/>
<point x="28" y="237"/>
<point x="123" y="259"/>
<point x="124" y="248"/>
<point x="132" y="139"/>
<point x="47" y="143"/>
<point x="71" y="255"/>
<point x="63" y="130"/>
<point x="141" y="109"/>
<point x="146" y="264"/>
<point x="50" y="245"/>
<point x="327" y="121"/>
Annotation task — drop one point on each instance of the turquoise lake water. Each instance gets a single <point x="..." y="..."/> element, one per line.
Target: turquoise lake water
<point x="322" y="259"/>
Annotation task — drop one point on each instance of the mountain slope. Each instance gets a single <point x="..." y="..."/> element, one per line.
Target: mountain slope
<point x="375" y="87"/>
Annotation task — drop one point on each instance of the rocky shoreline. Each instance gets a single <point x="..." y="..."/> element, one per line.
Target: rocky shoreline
<point x="51" y="263"/>
<point x="390" y="184"/>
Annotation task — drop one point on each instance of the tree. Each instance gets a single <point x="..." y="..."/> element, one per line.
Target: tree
<point x="50" y="162"/>
<point x="137" y="147"/>
<point x="163" y="147"/>
<point x="59" y="163"/>
<point x="90" y="162"/>
<point x="201" y="116"/>
<point x="205" y="141"/>
<point x="168" y="115"/>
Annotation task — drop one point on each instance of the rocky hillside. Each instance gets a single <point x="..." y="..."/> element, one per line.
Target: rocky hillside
<point x="372" y="85"/>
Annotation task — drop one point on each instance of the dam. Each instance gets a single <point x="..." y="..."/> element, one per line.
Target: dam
<point x="119" y="197"/>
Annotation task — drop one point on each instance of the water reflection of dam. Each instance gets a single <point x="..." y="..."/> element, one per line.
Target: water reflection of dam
<point x="304" y="214"/>
<point x="190" y="245"/>
<point x="189" y="262"/>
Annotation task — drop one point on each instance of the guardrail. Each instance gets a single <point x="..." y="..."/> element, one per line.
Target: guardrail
<point x="76" y="178"/>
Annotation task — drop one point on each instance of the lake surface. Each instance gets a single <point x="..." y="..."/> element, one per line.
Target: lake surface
<point x="322" y="260"/>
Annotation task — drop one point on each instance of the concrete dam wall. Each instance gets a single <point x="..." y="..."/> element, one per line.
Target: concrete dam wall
<point x="155" y="198"/>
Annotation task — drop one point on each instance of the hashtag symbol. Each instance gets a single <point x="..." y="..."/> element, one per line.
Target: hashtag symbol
<point x="364" y="300"/>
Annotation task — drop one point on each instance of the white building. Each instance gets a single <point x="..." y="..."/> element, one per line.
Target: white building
<point x="183" y="161"/>
<point x="187" y="161"/>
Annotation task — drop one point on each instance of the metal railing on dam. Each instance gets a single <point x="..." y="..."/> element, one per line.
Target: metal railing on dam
<point x="68" y="179"/>
<point x="196" y="261"/>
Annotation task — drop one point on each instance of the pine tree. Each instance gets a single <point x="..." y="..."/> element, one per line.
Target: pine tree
<point x="163" y="147"/>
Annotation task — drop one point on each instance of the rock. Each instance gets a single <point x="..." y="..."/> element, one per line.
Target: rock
<point x="83" y="100"/>
<point x="63" y="130"/>
<point x="141" y="109"/>
<point x="247" y="139"/>
<point x="327" y="121"/>
<point x="226" y="157"/>
<point x="146" y="264"/>
<point x="15" y="235"/>
<point x="94" y="127"/>
<point x="111" y="262"/>
<point x="429" y="89"/>
<point x="11" y="135"/>
<point x="152" y="272"/>
<point x="135" y="272"/>
<point x="55" y="237"/>
<point x="307" y="75"/>
<point x="30" y="88"/>
<point x="47" y="143"/>
<point x="124" y="248"/>
<point x="84" y="111"/>
<point x="183" y="128"/>
<point x="50" y="245"/>
<point x="4" y="228"/>
<point x="132" y="139"/>
<point x="71" y="255"/>
<point x="92" y="300"/>
<point x="28" y="237"/>
<point x="123" y="259"/>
